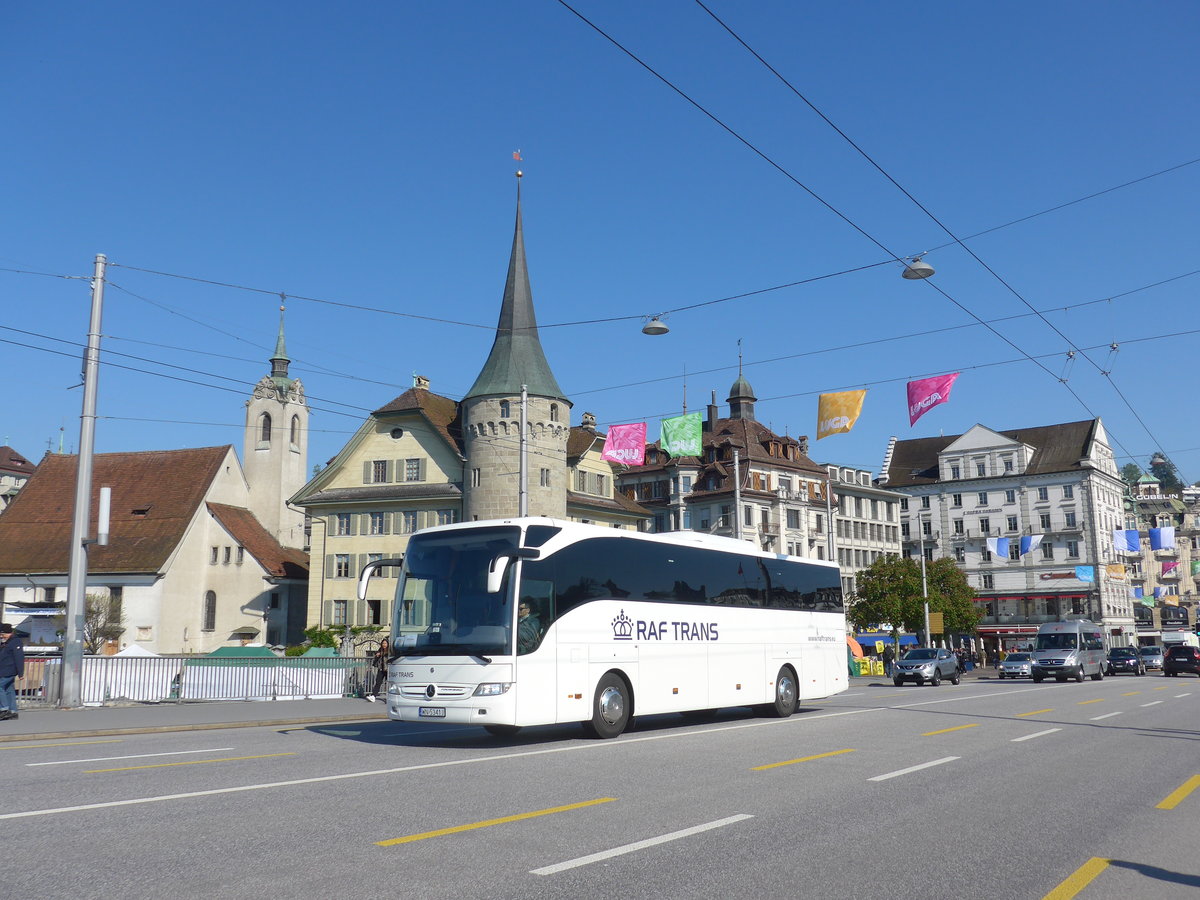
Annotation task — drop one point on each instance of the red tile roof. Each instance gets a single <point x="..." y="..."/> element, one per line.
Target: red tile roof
<point x="279" y="561"/>
<point x="441" y="412"/>
<point x="155" y="494"/>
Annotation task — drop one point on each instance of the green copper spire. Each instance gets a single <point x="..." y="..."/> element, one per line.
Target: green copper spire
<point x="517" y="357"/>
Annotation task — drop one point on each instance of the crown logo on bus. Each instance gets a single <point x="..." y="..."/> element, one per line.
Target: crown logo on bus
<point x="622" y="627"/>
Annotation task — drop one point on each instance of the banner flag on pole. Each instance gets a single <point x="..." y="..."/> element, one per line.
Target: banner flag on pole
<point x="837" y="413"/>
<point x="1170" y="600"/>
<point x="1127" y="541"/>
<point x="1085" y="573"/>
<point x="1169" y="567"/>
<point x="1162" y="538"/>
<point x="1158" y="592"/>
<point x="1115" y="571"/>
<point x="1196" y="566"/>
<point x="998" y="546"/>
<point x="625" y="444"/>
<point x="1031" y="542"/>
<point x="1136" y="593"/>
<point x="926" y="393"/>
<point x="681" y="435"/>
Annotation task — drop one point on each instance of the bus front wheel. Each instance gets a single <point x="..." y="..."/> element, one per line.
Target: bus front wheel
<point x="610" y="707"/>
<point x="787" y="695"/>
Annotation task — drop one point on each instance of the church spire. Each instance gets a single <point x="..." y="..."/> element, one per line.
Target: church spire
<point x="517" y="357"/>
<point x="279" y="362"/>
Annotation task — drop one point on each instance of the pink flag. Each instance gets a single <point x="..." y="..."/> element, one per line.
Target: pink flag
<point x="626" y="444"/>
<point x="927" y="393"/>
<point x="1169" y="567"/>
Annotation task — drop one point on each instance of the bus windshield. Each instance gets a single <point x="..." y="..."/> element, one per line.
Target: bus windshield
<point x="1057" y="641"/>
<point x="443" y="592"/>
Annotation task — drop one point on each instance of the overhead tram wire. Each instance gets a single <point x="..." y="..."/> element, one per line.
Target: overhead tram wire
<point x="954" y="238"/>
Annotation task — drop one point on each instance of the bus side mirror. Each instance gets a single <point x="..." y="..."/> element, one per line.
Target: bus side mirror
<point x="364" y="577"/>
<point x="499" y="566"/>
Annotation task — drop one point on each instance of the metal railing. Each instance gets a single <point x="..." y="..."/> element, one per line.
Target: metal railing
<point x="117" y="680"/>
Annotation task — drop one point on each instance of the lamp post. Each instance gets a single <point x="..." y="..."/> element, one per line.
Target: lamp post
<point x="924" y="583"/>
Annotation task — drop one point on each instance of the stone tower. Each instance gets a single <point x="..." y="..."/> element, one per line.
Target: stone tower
<point x="491" y="412"/>
<point x="275" y="449"/>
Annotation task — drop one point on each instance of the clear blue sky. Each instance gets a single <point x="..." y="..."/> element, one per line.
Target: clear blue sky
<point x="362" y="153"/>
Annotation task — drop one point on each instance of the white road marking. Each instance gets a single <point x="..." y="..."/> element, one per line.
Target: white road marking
<point x="1105" y="716"/>
<point x="1152" y="703"/>
<point x="936" y="762"/>
<point x="1036" y="734"/>
<point x="67" y="762"/>
<point x="637" y="845"/>
<point x="1188" y="694"/>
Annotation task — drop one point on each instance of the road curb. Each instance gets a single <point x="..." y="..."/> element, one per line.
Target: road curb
<point x="205" y="726"/>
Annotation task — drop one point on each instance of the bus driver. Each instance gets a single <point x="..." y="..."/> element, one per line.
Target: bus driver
<point x="527" y="628"/>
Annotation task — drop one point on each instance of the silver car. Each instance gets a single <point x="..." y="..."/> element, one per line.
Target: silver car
<point x="1152" y="656"/>
<point x="926" y="664"/>
<point x="1017" y="665"/>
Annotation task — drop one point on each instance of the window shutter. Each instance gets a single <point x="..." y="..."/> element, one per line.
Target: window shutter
<point x="367" y="472"/>
<point x="398" y="469"/>
<point x="353" y="524"/>
<point x="387" y="523"/>
<point x="329" y="565"/>
<point x="388" y="470"/>
<point x="421" y="470"/>
<point x="360" y="612"/>
<point x="328" y="617"/>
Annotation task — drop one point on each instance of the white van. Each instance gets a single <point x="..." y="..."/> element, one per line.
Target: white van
<point x="1071" y="649"/>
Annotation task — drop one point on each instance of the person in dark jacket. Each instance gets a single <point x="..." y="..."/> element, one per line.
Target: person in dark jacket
<point x="379" y="664"/>
<point x="12" y="667"/>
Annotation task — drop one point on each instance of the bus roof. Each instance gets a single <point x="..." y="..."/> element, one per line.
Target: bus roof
<point x="678" y="538"/>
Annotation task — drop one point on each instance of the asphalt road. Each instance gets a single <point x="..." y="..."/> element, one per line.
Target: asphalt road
<point x="991" y="789"/>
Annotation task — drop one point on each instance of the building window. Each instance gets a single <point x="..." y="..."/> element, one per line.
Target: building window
<point x="985" y="554"/>
<point x="445" y="517"/>
<point x="341" y="525"/>
<point x="986" y="581"/>
<point x="1070" y="518"/>
<point x="1044" y="520"/>
<point x="793" y="519"/>
<point x="341" y="565"/>
<point x="295" y="431"/>
<point x="553" y="412"/>
<point x="956" y="499"/>
<point x="475" y="477"/>
<point x="241" y="555"/>
<point x="1010" y="496"/>
<point x="1043" y="493"/>
<point x="408" y="522"/>
<point x="340" y="608"/>
<point x="379" y="471"/>
<point x="544" y="478"/>
<point x="210" y="611"/>
<point x="1068" y="492"/>
<point x="412" y="470"/>
<point x="904" y="503"/>
<point x="983" y="495"/>
<point x="378" y="523"/>
<point x="960" y="554"/>
<point x="505" y="409"/>
<point x="374" y="612"/>
<point x="980" y="469"/>
<point x="925" y="502"/>
<point x="1012" y="523"/>
<point x="228" y="556"/>
<point x="581" y="481"/>
<point x="958" y="526"/>
<point x="904" y="532"/>
<point x="985" y="525"/>
<point x="687" y="520"/>
<point x="1047" y="550"/>
<point x="212" y="559"/>
<point x="602" y="485"/>
<point x="1073" y="549"/>
<point x="926" y="528"/>
<point x="1008" y="465"/>
<point x="1014" y="550"/>
<point x="954" y="473"/>
<point x="264" y="429"/>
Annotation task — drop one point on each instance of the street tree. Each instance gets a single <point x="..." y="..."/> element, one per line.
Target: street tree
<point x="103" y="621"/>
<point x="1166" y="473"/>
<point x="1130" y="473"/>
<point x="889" y="591"/>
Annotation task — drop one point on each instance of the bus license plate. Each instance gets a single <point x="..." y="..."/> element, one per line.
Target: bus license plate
<point x="431" y="712"/>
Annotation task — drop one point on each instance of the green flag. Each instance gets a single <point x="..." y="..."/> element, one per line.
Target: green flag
<point x="681" y="435"/>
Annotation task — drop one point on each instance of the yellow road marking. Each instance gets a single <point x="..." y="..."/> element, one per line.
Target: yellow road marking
<point x="1177" y="796"/>
<point x="1086" y="702"/>
<point x="802" y="759"/>
<point x="1036" y="712"/>
<point x="947" y="730"/>
<point x="408" y="839"/>
<point x="1165" y="687"/>
<point x="1079" y="879"/>
<point x="1131" y="693"/>
<point x="195" y="762"/>
<point x="72" y="744"/>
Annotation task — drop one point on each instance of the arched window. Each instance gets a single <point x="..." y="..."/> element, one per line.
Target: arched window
<point x="553" y="412"/>
<point x="505" y="409"/>
<point x="295" y="431"/>
<point x="264" y="436"/>
<point x="210" y="605"/>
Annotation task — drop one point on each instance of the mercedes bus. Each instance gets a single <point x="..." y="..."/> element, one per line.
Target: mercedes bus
<point x="536" y="621"/>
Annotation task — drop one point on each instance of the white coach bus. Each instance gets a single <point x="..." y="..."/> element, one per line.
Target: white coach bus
<point x="534" y="621"/>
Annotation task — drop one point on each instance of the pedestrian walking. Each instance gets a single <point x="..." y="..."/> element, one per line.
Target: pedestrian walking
<point x="379" y="664"/>
<point x="12" y="667"/>
<point x="889" y="657"/>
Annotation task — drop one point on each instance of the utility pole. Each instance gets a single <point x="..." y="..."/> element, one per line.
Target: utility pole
<point x="70" y="694"/>
<point x="924" y="583"/>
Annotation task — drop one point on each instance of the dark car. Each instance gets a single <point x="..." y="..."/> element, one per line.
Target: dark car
<point x="1181" y="659"/>
<point x="1125" y="659"/>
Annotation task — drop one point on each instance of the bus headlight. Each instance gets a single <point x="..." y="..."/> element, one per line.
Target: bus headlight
<point x="492" y="689"/>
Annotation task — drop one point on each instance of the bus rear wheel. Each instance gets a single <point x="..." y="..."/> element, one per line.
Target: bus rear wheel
<point x="787" y="695"/>
<point x="610" y="707"/>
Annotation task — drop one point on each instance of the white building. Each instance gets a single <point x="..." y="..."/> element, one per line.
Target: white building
<point x="1056" y="485"/>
